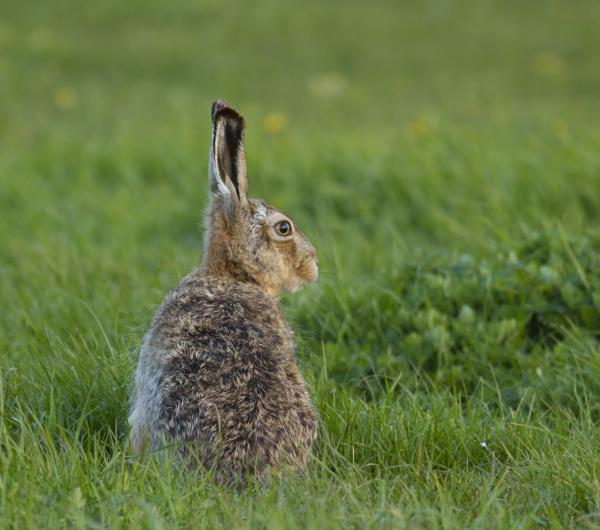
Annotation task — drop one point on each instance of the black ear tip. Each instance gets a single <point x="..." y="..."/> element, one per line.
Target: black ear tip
<point x="222" y="108"/>
<point x="217" y="106"/>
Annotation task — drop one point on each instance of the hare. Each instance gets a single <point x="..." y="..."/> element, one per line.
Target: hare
<point x="217" y="377"/>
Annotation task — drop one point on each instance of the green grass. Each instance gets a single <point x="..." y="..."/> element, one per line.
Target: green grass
<point x="443" y="157"/>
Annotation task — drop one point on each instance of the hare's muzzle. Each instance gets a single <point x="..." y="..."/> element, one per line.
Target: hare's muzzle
<point x="309" y="267"/>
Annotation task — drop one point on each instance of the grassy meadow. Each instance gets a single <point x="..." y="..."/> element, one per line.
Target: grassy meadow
<point x="443" y="157"/>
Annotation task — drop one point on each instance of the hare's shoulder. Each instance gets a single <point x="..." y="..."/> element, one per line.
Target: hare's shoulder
<point x="210" y="317"/>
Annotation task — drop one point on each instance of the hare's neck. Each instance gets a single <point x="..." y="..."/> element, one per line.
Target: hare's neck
<point x="218" y="261"/>
<point x="221" y="260"/>
<point x="227" y="270"/>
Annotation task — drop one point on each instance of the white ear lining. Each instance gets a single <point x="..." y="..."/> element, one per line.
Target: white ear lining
<point x="214" y="176"/>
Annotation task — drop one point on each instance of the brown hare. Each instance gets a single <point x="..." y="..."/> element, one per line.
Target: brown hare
<point x="217" y="377"/>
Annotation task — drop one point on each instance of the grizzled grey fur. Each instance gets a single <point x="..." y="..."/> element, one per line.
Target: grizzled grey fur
<point x="217" y="377"/>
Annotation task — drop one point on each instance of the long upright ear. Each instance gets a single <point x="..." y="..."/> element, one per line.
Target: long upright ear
<point x="227" y="167"/>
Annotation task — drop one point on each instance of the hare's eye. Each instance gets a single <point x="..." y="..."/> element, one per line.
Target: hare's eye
<point x="283" y="228"/>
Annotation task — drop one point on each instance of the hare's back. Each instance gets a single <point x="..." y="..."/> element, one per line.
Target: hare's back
<point x="209" y="320"/>
<point x="225" y="348"/>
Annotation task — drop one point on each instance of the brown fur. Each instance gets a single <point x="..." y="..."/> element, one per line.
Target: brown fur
<point x="217" y="375"/>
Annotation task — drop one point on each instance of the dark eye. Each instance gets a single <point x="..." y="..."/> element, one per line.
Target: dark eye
<point x="283" y="228"/>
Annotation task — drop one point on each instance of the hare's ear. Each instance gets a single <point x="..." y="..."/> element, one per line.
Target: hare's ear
<point x="227" y="166"/>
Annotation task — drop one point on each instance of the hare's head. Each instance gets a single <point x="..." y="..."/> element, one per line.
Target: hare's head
<point x="247" y="239"/>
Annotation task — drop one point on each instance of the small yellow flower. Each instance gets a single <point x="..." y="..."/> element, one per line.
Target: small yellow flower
<point x="420" y="127"/>
<point x="65" y="98"/>
<point x="549" y="64"/>
<point x="275" y="122"/>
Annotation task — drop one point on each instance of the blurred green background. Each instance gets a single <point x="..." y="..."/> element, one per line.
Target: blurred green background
<point x="444" y="158"/>
<point x="412" y="124"/>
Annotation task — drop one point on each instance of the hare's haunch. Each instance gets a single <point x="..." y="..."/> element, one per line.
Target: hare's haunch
<point x="217" y="377"/>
